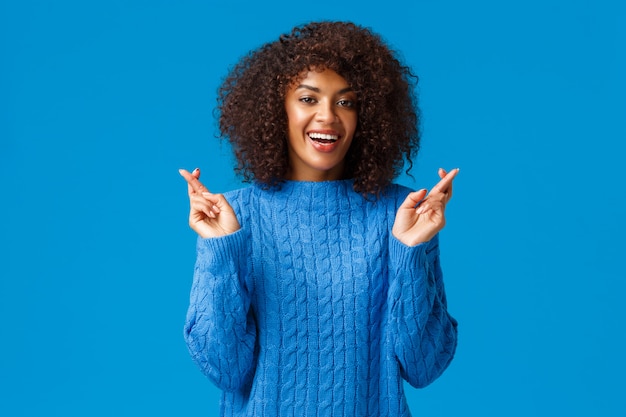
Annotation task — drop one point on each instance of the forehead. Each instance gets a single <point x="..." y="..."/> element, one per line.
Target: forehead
<point x="323" y="79"/>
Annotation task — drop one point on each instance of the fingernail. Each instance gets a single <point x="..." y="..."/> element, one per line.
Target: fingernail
<point x="196" y="170"/>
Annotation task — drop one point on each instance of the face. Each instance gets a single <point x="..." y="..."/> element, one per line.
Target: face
<point x="322" y="116"/>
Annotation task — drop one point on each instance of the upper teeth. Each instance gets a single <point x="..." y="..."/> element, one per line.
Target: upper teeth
<point x="323" y="136"/>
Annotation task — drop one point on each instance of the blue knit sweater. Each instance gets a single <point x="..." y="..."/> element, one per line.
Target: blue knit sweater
<point x="313" y="308"/>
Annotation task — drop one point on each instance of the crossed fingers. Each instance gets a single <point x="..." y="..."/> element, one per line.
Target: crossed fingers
<point x="440" y="194"/>
<point x="444" y="186"/>
<point x="194" y="186"/>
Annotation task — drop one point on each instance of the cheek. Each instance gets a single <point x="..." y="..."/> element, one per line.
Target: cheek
<point x="295" y="127"/>
<point x="294" y="119"/>
<point x="298" y="122"/>
<point x="351" y="123"/>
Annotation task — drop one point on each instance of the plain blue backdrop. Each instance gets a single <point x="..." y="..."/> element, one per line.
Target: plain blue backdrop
<point x="101" y="102"/>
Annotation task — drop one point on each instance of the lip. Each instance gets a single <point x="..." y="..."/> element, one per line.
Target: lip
<point x="324" y="147"/>
<point x="325" y="132"/>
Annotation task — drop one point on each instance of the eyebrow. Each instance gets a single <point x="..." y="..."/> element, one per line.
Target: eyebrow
<point x="317" y="90"/>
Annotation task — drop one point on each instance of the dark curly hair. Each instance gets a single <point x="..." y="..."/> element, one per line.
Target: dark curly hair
<point x="251" y="103"/>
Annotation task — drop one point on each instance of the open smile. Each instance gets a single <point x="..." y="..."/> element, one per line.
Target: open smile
<point x="325" y="142"/>
<point x="323" y="137"/>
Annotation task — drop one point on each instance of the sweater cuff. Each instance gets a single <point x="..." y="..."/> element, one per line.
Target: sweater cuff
<point x="217" y="250"/>
<point x="404" y="256"/>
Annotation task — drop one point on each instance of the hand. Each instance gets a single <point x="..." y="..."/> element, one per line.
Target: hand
<point x="419" y="219"/>
<point x="210" y="215"/>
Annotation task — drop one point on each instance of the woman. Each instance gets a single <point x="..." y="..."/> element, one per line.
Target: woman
<point x="318" y="288"/>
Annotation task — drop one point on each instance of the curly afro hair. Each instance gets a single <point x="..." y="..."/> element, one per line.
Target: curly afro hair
<point x="251" y="103"/>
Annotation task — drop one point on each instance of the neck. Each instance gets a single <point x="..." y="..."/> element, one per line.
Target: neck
<point x="334" y="174"/>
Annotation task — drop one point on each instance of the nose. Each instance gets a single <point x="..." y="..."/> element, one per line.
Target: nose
<point x="326" y="113"/>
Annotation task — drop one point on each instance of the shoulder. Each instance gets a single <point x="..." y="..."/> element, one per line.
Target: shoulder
<point x="233" y="196"/>
<point x="398" y="190"/>
<point x="248" y="199"/>
<point x="240" y="199"/>
<point x="394" y="194"/>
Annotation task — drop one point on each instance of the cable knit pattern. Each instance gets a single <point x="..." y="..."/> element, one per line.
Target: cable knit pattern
<point x="313" y="308"/>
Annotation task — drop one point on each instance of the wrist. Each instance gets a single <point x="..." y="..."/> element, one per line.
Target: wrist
<point x="413" y="239"/>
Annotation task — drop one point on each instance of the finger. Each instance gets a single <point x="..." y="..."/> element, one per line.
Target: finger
<point x="413" y="199"/>
<point x="190" y="190"/>
<point x="445" y="183"/>
<point x="442" y="173"/>
<point x="422" y="208"/>
<point x="448" y="192"/>
<point x="194" y="185"/>
<point x="202" y="205"/>
<point x="214" y="200"/>
<point x="430" y="205"/>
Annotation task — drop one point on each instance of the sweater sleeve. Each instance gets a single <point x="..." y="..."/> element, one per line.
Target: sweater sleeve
<point x="220" y="330"/>
<point x="426" y="335"/>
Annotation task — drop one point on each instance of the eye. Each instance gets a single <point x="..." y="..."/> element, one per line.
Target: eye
<point x="307" y="100"/>
<point x="346" y="103"/>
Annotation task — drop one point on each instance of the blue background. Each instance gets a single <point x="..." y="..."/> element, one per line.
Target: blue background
<point x="102" y="102"/>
